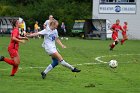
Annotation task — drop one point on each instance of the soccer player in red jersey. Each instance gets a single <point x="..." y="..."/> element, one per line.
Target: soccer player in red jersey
<point x="115" y="28"/>
<point x="125" y="28"/>
<point x="13" y="48"/>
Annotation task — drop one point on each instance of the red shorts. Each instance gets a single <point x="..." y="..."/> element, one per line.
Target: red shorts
<point x="13" y="53"/>
<point x="114" y="37"/>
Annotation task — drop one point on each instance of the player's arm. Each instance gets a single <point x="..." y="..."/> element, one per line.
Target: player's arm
<point x="112" y="28"/>
<point x="60" y="43"/>
<point x="44" y="26"/>
<point x="17" y="40"/>
<point x="43" y="32"/>
<point x="121" y="29"/>
<point x="33" y="35"/>
<point x="126" y="28"/>
<point x="23" y="38"/>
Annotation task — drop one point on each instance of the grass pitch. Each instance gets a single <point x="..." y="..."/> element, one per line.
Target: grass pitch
<point x="95" y="77"/>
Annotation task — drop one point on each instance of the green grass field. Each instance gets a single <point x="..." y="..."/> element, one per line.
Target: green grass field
<point x="95" y="77"/>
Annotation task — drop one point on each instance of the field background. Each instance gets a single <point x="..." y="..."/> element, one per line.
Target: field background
<point x="94" y="78"/>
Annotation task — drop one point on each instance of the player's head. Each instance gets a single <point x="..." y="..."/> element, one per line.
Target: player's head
<point x="36" y="22"/>
<point x="54" y="24"/>
<point x="117" y="21"/>
<point x="15" y="23"/>
<point x="51" y="17"/>
<point x="62" y="22"/>
<point x="125" y="23"/>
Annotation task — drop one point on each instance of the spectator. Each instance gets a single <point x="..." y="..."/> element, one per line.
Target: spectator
<point x="63" y="27"/>
<point x="36" y="28"/>
<point x="47" y="22"/>
<point x="22" y="30"/>
<point x="28" y="30"/>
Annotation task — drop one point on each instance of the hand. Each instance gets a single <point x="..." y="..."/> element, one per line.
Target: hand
<point x="22" y="41"/>
<point x="28" y="35"/>
<point x="63" y="46"/>
<point x="26" y="38"/>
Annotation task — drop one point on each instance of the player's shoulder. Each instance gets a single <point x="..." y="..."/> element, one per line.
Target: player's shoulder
<point x="15" y="30"/>
<point x="125" y="25"/>
<point x="114" y="24"/>
<point x="47" y="21"/>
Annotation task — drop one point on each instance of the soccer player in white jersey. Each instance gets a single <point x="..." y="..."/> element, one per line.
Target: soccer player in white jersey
<point x="50" y="36"/>
<point x="47" y="22"/>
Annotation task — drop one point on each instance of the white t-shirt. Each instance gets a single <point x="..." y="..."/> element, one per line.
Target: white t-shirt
<point x="47" y="22"/>
<point x="49" y="37"/>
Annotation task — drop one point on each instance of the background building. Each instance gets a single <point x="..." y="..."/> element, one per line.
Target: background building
<point x="125" y="10"/>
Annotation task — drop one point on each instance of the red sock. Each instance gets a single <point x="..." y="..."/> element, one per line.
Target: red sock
<point x="14" y="70"/>
<point x="9" y="61"/>
<point x="122" y="41"/>
<point x="112" y="46"/>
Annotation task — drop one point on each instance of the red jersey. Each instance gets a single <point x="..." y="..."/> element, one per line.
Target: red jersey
<point x="125" y="29"/>
<point x="116" y="28"/>
<point x="13" y="44"/>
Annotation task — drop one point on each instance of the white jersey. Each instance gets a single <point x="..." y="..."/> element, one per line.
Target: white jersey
<point x="49" y="39"/>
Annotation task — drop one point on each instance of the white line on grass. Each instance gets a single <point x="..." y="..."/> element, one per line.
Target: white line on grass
<point x="101" y="61"/>
<point x="98" y="59"/>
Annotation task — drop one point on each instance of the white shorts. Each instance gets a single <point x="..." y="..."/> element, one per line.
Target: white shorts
<point x="51" y="51"/>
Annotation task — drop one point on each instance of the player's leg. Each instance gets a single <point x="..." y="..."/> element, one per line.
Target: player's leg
<point x="7" y="60"/>
<point x="124" y="39"/>
<point x="50" y="67"/>
<point x="64" y="63"/>
<point x="15" y="67"/>
<point x="14" y="61"/>
<point x="56" y="57"/>
<point x="12" y="53"/>
<point x="115" y="42"/>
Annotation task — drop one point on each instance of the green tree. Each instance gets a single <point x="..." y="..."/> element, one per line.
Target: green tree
<point x="62" y="10"/>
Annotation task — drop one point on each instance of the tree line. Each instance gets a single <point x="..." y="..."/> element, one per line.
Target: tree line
<point x="39" y="10"/>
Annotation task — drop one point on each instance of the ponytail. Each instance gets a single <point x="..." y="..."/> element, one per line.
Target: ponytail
<point x="14" y="23"/>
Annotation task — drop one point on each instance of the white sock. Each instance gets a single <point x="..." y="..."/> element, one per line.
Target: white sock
<point x="66" y="65"/>
<point x="49" y="68"/>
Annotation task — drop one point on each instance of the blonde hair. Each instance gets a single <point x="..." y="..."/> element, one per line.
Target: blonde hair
<point x="53" y="22"/>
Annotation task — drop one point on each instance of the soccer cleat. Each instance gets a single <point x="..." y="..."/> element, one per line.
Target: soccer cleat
<point x="1" y="58"/>
<point x="12" y="75"/>
<point x="76" y="70"/>
<point x="111" y="49"/>
<point x="121" y="42"/>
<point x="43" y="75"/>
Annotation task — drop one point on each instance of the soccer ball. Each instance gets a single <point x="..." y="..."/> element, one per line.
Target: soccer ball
<point x="113" y="63"/>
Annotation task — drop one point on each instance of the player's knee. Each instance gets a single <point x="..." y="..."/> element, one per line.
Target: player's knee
<point x="16" y="64"/>
<point x="116" y="42"/>
<point x="54" y="62"/>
